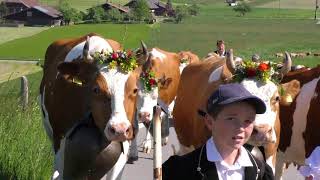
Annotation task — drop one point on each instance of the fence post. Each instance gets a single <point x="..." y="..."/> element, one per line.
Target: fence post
<point x="157" y="154"/>
<point x="24" y="92"/>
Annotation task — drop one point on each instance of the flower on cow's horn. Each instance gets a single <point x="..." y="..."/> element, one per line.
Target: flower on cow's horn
<point x="148" y="80"/>
<point x="117" y="59"/>
<point x="261" y="71"/>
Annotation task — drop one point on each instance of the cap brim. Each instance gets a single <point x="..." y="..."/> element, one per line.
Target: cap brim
<point x="259" y="105"/>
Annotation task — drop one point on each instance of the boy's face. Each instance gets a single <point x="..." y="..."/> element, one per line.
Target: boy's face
<point x="232" y="127"/>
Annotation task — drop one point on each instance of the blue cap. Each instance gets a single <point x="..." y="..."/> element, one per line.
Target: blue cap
<point x="231" y="93"/>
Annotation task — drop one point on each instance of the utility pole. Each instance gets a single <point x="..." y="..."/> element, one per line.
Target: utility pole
<point x="315" y="11"/>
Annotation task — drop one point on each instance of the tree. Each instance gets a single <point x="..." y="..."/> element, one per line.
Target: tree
<point x="114" y="15"/>
<point x="69" y="13"/>
<point x="141" y="10"/>
<point x="242" y="8"/>
<point x="194" y="10"/>
<point x="96" y="14"/>
<point x="181" y="13"/>
<point x="3" y="9"/>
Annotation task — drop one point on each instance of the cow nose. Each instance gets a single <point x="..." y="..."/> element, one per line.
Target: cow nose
<point x="121" y="129"/>
<point x="144" y="116"/>
<point x="262" y="129"/>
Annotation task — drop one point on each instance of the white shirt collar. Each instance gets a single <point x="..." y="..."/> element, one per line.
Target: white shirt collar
<point x="213" y="155"/>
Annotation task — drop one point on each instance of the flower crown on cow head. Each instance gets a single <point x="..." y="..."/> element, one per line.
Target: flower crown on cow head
<point x="121" y="59"/>
<point x="261" y="71"/>
<point x="148" y="79"/>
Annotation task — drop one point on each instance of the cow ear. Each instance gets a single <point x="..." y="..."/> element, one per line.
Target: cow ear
<point x="70" y="71"/>
<point x="69" y="68"/>
<point x="289" y="92"/>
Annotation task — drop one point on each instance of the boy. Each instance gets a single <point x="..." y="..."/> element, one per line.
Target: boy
<point x="231" y="111"/>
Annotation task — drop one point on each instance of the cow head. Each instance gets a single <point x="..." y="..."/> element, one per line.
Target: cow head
<point x="266" y="126"/>
<point x="165" y="68"/>
<point x="111" y="93"/>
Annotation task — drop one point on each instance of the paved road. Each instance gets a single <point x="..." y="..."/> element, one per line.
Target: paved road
<point x="143" y="168"/>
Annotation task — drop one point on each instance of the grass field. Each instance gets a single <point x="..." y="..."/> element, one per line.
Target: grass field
<point x="34" y="47"/>
<point x="291" y="4"/>
<point x="13" y="70"/>
<point x="25" y="152"/>
<point x="11" y="33"/>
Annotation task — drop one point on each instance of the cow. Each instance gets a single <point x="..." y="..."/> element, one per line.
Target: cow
<point x="299" y="118"/>
<point x="166" y="68"/>
<point x="200" y="79"/>
<point x="74" y="84"/>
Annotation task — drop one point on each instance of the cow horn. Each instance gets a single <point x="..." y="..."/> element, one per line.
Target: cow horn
<point x="147" y="64"/>
<point x="144" y="48"/>
<point x="287" y="63"/>
<point x="230" y="62"/>
<point x="85" y="52"/>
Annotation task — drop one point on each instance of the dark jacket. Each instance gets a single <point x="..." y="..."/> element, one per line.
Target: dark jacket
<point x="186" y="168"/>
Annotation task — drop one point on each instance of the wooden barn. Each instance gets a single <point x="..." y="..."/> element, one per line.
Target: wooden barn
<point x="36" y="16"/>
<point x="108" y="5"/>
<point x="156" y="7"/>
<point x="15" y="6"/>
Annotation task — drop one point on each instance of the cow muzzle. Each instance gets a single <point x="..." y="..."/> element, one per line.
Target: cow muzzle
<point x="262" y="134"/>
<point x="119" y="132"/>
<point x="144" y="117"/>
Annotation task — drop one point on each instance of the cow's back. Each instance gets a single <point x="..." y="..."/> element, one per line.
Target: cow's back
<point x="193" y="92"/>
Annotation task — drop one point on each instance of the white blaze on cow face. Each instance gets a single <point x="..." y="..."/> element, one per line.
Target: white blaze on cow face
<point x="118" y="124"/>
<point x="145" y="102"/>
<point x="264" y="125"/>
<point x="148" y="99"/>
<point x="97" y="44"/>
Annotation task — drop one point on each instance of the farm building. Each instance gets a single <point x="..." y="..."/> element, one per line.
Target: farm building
<point x="156" y="7"/>
<point x="15" y="6"/>
<point x="108" y="5"/>
<point x="36" y="15"/>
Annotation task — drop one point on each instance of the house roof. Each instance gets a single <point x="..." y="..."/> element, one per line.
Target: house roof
<point x="27" y="3"/>
<point x="50" y="11"/>
<point x="153" y="4"/>
<point x="117" y="6"/>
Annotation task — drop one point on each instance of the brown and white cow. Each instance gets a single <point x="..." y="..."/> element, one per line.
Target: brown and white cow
<point x="167" y="67"/>
<point x="199" y="80"/>
<point x="299" y="118"/>
<point x="108" y="93"/>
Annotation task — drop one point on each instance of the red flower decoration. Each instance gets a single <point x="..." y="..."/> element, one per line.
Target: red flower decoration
<point x="263" y="67"/>
<point x="114" y="55"/>
<point x="251" y="72"/>
<point x="129" y="53"/>
<point x="152" y="82"/>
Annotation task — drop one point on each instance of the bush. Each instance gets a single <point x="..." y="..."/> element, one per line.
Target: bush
<point x="194" y="10"/>
<point x="181" y="13"/>
<point x="113" y="15"/>
<point x="242" y="8"/>
<point x="96" y="14"/>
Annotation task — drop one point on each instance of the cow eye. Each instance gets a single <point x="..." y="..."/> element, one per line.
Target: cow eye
<point x="277" y="98"/>
<point x="135" y="90"/>
<point x="96" y="90"/>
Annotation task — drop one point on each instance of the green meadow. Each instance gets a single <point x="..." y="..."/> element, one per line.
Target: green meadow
<point x="25" y="151"/>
